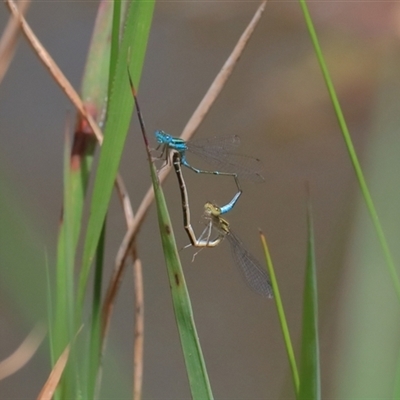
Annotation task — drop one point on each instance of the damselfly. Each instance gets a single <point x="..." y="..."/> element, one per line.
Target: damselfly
<point x="255" y="275"/>
<point x="217" y="151"/>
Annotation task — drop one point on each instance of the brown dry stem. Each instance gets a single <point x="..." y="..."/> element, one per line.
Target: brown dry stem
<point x="71" y="93"/>
<point x="23" y="353"/>
<point x="53" y="68"/>
<point x="53" y="380"/>
<point x="138" y="341"/>
<point x="9" y="39"/>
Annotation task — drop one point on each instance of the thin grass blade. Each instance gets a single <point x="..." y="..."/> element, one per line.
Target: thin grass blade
<point x="282" y="317"/>
<point x="134" y="43"/>
<point x="94" y="361"/>
<point x="195" y="365"/>
<point x="352" y="153"/>
<point x="94" y="93"/>
<point x="194" y="360"/>
<point x="115" y="33"/>
<point x="70" y="385"/>
<point x="50" y="310"/>
<point x="310" y="375"/>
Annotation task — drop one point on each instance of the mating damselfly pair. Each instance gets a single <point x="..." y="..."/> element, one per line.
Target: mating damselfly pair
<point x="218" y="151"/>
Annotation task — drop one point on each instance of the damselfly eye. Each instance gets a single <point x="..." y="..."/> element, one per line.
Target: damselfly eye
<point x="162" y="137"/>
<point x="212" y="209"/>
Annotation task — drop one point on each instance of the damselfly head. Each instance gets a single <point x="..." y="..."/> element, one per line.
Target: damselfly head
<point x="211" y="209"/>
<point x="163" y="137"/>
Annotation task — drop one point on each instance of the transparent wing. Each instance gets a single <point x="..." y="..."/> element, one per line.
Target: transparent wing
<point x="215" y="144"/>
<point x="255" y="275"/>
<point x="218" y="152"/>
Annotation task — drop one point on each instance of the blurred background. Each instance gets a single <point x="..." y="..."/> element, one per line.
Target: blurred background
<point x="277" y="102"/>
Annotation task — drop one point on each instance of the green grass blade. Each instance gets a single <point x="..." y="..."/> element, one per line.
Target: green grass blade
<point x="134" y="43"/>
<point x="94" y="93"/>
<point x="50" y="311"/>
<point x="282" y="316"/>
<point x="94" y="360"/>
<point x="68" y="238"/>
<point x="70" y="385"/>
<point x="95" y="77"/>
<point x="352" y="153"/>
<point x="195" y="365"/>
<point x="194" y="360"/>
<point x="310" y="378"/>
<point x="115" y="32"/>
